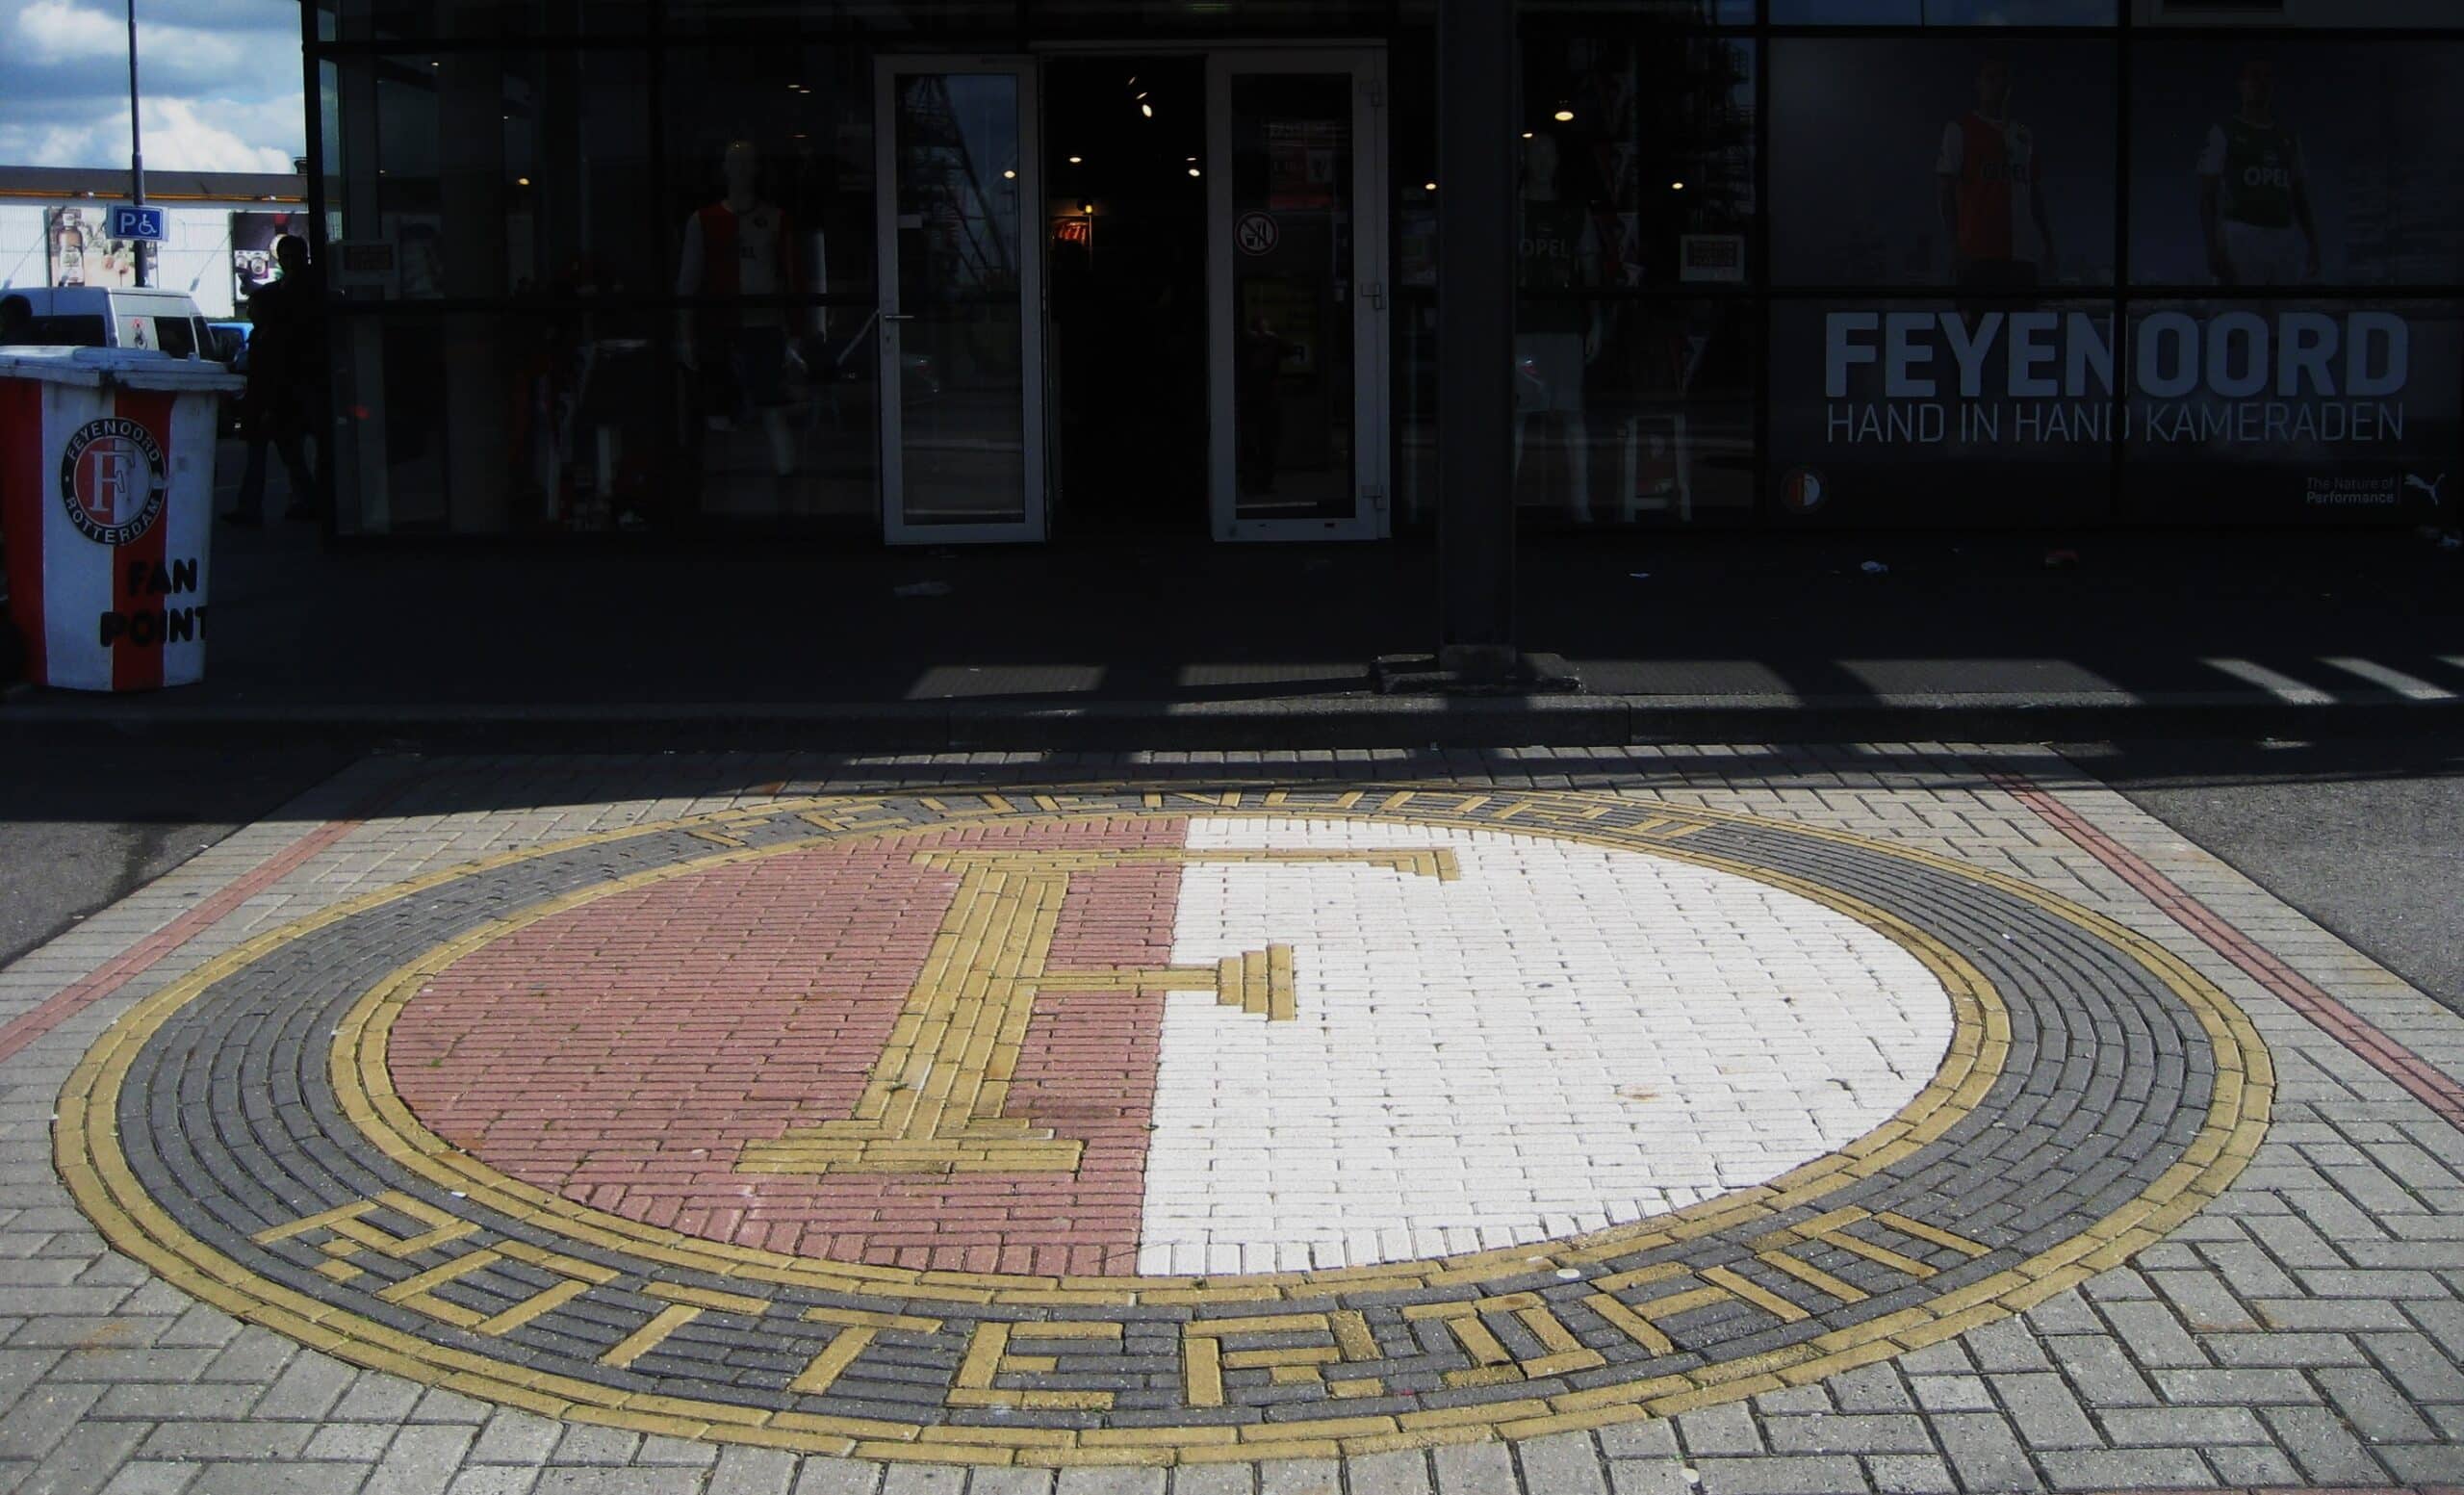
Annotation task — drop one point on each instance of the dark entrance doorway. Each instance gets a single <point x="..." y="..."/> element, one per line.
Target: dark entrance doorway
<point x="1124" y="149"/>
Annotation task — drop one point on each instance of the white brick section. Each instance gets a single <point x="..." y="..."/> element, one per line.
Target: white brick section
<point x="1569" y="1037"/>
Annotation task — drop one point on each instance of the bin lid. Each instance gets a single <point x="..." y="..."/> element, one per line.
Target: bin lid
<point x="134" y="367"/>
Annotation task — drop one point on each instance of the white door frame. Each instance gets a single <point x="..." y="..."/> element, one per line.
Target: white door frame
<point x="896" y="528"/>
<point x="1371" y="518"/>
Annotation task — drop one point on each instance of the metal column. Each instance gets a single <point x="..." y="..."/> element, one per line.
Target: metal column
<point x="1475" y="239"/>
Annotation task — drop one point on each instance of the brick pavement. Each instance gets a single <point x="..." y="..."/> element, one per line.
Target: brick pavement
<point x="2305" y="1326"/>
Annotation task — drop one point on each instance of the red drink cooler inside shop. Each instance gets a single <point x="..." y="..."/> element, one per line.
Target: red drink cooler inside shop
<point x="107" y="509"/>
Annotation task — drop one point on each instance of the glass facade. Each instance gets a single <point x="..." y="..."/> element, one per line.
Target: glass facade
<point x="620" y="265"/>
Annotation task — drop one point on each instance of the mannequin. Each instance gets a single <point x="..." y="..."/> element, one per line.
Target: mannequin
<point x="1559" y="250"/>
<point x="741" y="245"/>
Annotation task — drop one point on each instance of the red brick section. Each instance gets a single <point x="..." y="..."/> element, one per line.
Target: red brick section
<point x="2416" y="1074"/>
<point x="133" y="962"/>
<point x="623" y="1053"/>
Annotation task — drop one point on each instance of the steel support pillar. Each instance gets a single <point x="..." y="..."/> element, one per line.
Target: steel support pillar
<point x="1475" y="247"/>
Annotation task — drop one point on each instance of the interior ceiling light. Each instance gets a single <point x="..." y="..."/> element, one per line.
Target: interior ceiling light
<point x="1677" y="187"/>
<point x="1148" y="110"/>
<point x="1077" y="161"/>
<point x="1193" y="170"/>
<point x="1563" y="115"/>
<point x="1010" y="175"/>
<point x="1428" y="187"/>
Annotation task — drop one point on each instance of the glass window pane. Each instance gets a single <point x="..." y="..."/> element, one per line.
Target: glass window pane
<point x="781" y="421"/>
<point x="962" y="288"/>
<point x="497" y="173"/>
<point x="1946" y="12"/>
<point x="1220" y="17"/>
<point x="430" y="21"/>
<point x="1644" y="140"/>
<point x="1939" y="413"/>
<point x="2278" y="412"/>
<point x="889" y="22"/>
<point x="1927" y="161"/>
<point x="2276" y="163"/>
<point x="1596" y="13"/>
<point x="2298" y="12"/>
<point x="805" y="114"/>
<point x="1658" y="429"/>
<point x="1293" y="223"/>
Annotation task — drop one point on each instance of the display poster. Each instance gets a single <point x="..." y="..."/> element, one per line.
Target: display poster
<point x="2245" y="411"/>
<point x="76" y="252"/>
<point x="1301" y="161"/>
<point x="1286" y="310"/>
<point x="252" y="237"/>
<point x="419" y="245"/>
<point x="2277" y="163"/>
<point x="1983" y="163"/>
<point x="2009" y="413"/>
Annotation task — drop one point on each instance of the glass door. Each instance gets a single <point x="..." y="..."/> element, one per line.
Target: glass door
<point x="961" y="298"/>
<point x="1296" y="270"/>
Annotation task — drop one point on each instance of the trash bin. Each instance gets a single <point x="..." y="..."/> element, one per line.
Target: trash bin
<point x="106" y="512"/>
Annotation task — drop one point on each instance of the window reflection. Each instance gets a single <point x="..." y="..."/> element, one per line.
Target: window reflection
<point x="1658" y="429"/>
<point x="961" y="279"/>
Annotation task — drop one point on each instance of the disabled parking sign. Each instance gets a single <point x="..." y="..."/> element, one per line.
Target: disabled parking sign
<point x="129" y="221"/>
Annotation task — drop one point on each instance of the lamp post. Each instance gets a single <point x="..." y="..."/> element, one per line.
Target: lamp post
<point x="136" y="143"/>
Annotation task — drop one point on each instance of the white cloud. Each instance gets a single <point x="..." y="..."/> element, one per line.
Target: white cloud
<point x="56" y="31"/>
<point x="62" y="31"/>
<point x="179" y="136"/>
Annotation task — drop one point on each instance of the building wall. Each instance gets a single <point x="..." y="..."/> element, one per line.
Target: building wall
<point x="1782" y="264"/>
<point x="196" y="258"/>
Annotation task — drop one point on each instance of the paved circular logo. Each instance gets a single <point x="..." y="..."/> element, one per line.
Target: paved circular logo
<point x="112" y="480"/>
<point x="1073" y="1125"/>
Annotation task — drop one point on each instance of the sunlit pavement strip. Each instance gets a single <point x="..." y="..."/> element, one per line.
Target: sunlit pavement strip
<point x="1720" y="1119"/>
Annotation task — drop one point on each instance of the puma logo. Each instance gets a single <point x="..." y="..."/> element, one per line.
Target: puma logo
<point x="2431" y="487"/>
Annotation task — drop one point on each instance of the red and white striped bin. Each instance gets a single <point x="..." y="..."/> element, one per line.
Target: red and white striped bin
<point x="107" y="509"/>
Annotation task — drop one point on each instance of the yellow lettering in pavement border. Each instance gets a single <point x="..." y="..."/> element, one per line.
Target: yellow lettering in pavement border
<point x="988" y="1356"/>
<point x="349" y="1225"/>
<point x="857" y="1329"/>
<point x="1491" y="1362"/>
<point x="1204" y="1359"/>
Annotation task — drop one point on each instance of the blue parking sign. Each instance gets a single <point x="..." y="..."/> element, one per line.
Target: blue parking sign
<point x="133" y="223"/>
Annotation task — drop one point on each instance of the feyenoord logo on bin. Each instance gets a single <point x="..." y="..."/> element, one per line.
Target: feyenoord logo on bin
<point x="112" y="480"/>
<point x="1059" y="1124"/>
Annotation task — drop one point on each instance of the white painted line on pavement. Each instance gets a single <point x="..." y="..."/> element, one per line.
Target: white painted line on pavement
<point x="2410" y="686"/>
<point x="2284" y="688"/>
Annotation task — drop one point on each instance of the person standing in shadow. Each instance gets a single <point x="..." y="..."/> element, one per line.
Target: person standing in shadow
<point x="286" y="378"/>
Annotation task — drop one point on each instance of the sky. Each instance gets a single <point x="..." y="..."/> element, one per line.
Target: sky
<point x="220" y="81"/>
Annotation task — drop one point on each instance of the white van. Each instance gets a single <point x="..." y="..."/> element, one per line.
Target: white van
<point x="117" y="317"/>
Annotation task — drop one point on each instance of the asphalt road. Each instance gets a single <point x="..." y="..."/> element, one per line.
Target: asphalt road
<point x="2367" y="839"/>
<point x="82" y="826"/>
